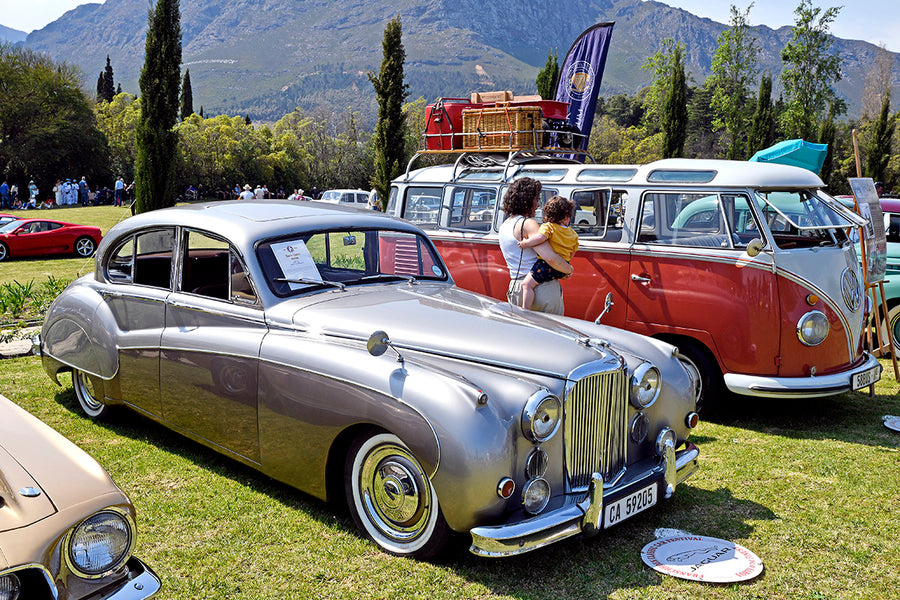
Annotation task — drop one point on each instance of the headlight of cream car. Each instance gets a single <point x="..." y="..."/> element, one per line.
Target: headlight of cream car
<point x="100" y="543"/>
<point x="644" y="386"/>
<point x="541" y="416"/>
<point x="9" y="587"/>
<point x="813" y="328"/>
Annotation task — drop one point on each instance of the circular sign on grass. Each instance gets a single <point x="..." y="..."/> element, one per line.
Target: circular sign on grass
<point x="702" y="558"/>
<point x="892" y="422"/>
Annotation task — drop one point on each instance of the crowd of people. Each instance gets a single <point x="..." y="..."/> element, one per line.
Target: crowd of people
<point x="66" y="192"/>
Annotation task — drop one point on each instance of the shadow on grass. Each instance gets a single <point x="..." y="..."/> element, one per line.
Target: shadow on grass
<point x="576" y="568"/>
<point x="853" y="417"/>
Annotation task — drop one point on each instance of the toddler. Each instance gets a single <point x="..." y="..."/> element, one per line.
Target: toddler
<point x="564" y="241"/>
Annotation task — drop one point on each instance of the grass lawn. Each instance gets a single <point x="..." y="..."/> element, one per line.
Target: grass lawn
<point x="811" y="486"/>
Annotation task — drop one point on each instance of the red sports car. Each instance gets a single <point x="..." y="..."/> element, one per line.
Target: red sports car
<point x="39" y="237"/>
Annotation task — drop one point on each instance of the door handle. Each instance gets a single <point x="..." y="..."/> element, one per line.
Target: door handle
<point x="639" y="279"/>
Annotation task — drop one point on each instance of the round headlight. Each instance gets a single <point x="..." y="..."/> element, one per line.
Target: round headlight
<point x="9" y="587"/>
<point x="644" y="386"/>
<point x="813" y="328"/>
<point x="541" y="417"/>
<point x="536" y="495"/>
<point x="100" y="543"/>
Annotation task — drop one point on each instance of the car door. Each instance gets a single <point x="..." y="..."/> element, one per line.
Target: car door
<point x="210" y="347"/>
<point x="139" y="269"/>
<point x="31" y="238"/>
<point x="690" y="276"/>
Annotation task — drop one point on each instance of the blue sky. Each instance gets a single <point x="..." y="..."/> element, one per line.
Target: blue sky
<point x="876" y="21"/>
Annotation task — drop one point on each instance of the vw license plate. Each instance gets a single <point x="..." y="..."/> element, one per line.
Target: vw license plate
<point x="865" y="378"/>
<point x="629" y="506"/>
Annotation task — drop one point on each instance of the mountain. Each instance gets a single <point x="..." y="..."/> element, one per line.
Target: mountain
<point x="265" y="57"/>
<point x="12" y="36"/>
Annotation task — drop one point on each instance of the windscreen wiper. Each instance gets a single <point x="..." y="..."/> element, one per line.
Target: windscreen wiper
<point x="306" y="281"/>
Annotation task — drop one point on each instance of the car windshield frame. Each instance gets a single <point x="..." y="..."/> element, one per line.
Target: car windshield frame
<point x="341" y="257"/>
<point x="10" y="226"/>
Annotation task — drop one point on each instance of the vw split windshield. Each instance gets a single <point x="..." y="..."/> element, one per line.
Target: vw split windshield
<point x="801" y="218"/>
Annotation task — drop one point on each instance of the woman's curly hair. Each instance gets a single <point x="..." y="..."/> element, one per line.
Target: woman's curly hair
<point x="557" y="208"/>
<point x="519" y="198"/>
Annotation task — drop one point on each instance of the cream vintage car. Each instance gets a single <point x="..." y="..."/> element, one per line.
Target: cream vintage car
<point x="66" y="530"/>
<point x="329" y="348"/>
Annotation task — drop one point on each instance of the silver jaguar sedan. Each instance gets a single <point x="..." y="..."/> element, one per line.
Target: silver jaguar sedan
<point x="328" y="348"/>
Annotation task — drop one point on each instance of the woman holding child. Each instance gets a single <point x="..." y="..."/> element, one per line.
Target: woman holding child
<point x="519" y="204"/>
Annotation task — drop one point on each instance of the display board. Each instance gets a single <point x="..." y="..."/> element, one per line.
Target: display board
<point x="874" y="236"/>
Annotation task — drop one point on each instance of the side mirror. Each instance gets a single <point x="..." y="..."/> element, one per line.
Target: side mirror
<point x="378" y="344"/>
<point x="755" y="247"/>
<point x="607" y="305"/>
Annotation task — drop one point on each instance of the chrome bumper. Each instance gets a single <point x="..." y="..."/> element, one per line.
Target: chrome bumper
<point x="583" y="517"/>
<point x="797" y="387"/>
<point x="142" y="583"/>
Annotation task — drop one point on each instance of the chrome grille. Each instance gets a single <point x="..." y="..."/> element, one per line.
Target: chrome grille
<point x="596" y="425"/>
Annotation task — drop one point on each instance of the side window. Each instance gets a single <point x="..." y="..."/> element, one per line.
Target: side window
<point x="422" y="205"/>
<point x="685" y="220"/>
<point x="469" y="208"/>
<point x="119" y="268"/>
<point x="212" y="268"/>
<point x="153" y="258"/>
<point x="893" y="227"/>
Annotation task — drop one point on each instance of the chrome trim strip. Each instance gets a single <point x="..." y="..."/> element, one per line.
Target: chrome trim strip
<point x="44" y="571"/>
<point x="797" y="387"/>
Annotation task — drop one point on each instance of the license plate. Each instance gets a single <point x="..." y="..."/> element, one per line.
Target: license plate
<point x="629" y="506"/>
<point x="865" y="378"/>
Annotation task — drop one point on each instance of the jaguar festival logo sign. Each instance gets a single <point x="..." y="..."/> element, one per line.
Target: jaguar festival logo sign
<point x="580" y="77"/>
<point x="702" y="558"/>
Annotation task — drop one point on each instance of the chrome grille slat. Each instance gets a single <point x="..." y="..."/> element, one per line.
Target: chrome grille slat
<point x="595" y="427"/>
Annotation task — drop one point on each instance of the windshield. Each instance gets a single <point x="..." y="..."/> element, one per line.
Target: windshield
<point x="340" y="258"/>
<point x="802" y="219"/>
<point x="8" y="227"/>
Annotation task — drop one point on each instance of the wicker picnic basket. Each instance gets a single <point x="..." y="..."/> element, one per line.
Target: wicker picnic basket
<point x="502" y="128"/>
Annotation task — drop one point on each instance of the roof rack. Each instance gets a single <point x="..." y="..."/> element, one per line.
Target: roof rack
<point x="475" y="160"/>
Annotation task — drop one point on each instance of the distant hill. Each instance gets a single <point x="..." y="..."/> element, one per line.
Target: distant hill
<point x="263" y="58"/>
<point x="7" y="34"/>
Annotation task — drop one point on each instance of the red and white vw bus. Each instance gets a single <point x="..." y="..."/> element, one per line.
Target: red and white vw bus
<point x="745" y="267"/>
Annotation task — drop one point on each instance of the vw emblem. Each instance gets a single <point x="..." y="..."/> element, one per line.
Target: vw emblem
<point x="850" y="289"/>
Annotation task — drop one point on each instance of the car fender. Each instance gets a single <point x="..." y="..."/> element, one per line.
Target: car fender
<point x="80" y="331"/>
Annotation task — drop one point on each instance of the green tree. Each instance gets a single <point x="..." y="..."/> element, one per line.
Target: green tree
<point x="548" y="77"/>
<point x="118" y="121"/>
<point x="47" y="126"/>
<point x="391" y="92"/>
<point x="879" y="151"/>
<point x="674" y="114"/>
<point x="157" y="141"/>
<point x="762" y="124"/>
<point x="100" y="87"/>
<point x="810" y="70"/>
<point x="109" y="86"/>
<point x="733" y="69"/>
<point x="187" y="96"/>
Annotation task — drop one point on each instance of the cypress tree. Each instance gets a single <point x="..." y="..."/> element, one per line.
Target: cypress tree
<point x="391" y="92"/>
<point x="547" y="77"/>
<point x="675" y="116"/>
<point x="762" y="126"/>
<point x="100" y="87"/>
<point x="109" y="86"/>
<point x="879" y="151"/>
<point x="187" y="96"/>
<point x="157" y="141"/>
<point x="827" y="135"/>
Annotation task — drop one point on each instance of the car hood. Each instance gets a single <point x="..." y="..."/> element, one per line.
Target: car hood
<point x="448" y="321"/>
<point x="35" y="458"/>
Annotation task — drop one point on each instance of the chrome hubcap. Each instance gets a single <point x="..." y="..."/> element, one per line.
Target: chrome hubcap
<point x="396" y="494"/>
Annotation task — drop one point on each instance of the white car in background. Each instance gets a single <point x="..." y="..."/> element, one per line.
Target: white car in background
<point x="357" y="198"/>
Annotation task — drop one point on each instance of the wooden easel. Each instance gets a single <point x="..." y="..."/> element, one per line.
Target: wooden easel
<point x="877" y="289"/>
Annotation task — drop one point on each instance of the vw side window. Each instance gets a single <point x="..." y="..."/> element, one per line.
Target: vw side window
<point x="470" y="209"/>
<point x="422" y="206"/>
<point x="694" y="220"/>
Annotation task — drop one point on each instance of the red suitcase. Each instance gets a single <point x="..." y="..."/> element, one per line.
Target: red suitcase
<point x="444" y="125"/>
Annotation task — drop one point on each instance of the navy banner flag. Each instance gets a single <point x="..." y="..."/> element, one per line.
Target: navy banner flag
<point x="579" y="79"/>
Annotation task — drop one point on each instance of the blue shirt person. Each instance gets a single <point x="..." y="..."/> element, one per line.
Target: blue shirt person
<point x="5" y="201"/>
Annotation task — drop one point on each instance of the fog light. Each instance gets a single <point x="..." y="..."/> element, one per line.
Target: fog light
<point x="536" y="464"/>
<point x="9" y="587"/>
<point x="536" y="495"/>
<point x="640" y="424"/>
